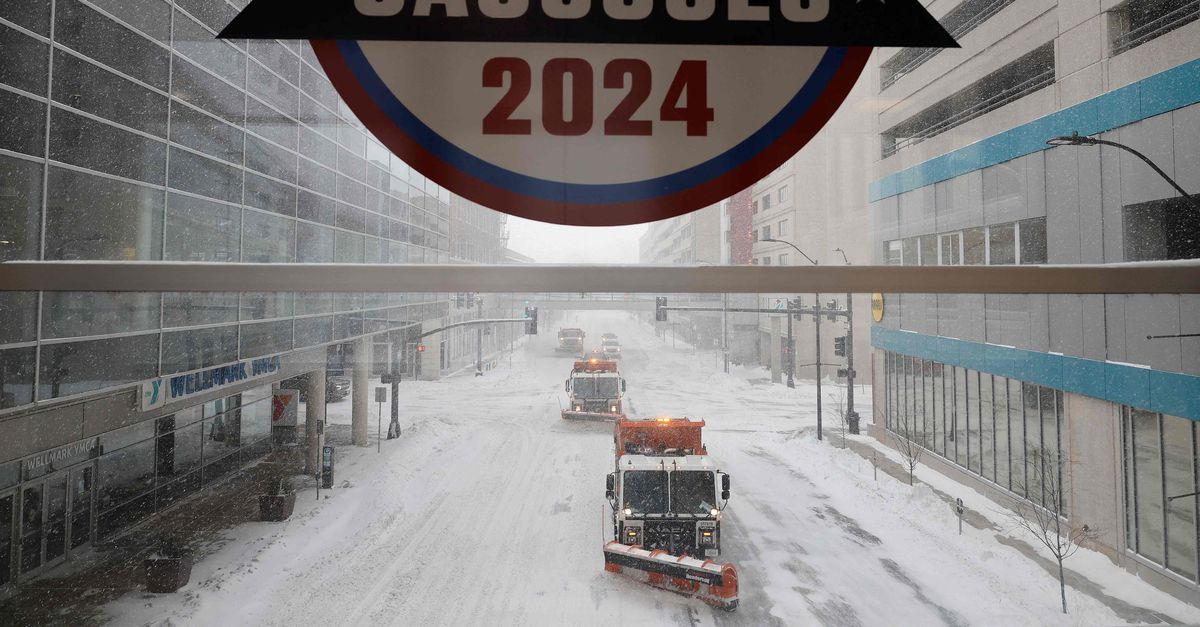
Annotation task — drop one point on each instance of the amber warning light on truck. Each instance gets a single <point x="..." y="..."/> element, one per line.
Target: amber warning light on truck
<point x="526" y="106"/>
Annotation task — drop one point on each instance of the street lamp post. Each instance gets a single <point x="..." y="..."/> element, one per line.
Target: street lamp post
<point x="817" y="316"/>
<point x="851" y="415"/>
<point x="1075" y="139"/>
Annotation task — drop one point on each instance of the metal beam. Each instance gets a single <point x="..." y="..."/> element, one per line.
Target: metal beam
<point x="134" y="276"/>
<point x="470" y="323"/>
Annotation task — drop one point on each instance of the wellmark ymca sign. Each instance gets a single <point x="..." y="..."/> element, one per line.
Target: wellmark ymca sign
<point x="593" y="112"/>
<point x="159" y="392"/>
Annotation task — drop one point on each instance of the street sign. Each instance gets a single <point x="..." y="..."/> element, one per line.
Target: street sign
<point x="381" y="394"/>
<point x="593" y="113"/>
<point x="388" y="379"/>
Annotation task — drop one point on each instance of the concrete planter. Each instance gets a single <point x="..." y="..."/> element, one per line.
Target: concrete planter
<point x="276" y="507"/>
<point x="167" y="574"/>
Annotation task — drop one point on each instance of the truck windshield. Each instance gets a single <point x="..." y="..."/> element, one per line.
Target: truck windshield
<point x="584" y="387"/>
<point x="595" y="387"/>
<point x="645" y="491"/>
<point x="606" y="387"/>
<point x="691" y="491"/>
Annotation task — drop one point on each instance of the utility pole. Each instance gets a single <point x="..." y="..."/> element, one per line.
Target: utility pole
<point x="791" y="352"/>
<point x="725" y="329"/>
<point x="478" y="337"/>
<point x="817" y="315"/>
<point x="851" y="415"/>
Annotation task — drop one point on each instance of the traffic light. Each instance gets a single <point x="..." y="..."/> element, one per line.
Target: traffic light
<point x="832" y="310"/>
<point x="839" y="346"/>
<point x="660" y="312"/>
<point x="531" y="320"/>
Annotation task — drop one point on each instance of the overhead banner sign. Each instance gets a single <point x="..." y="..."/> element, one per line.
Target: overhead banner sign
<point x="593" y="112"/>
<point x="175" y="388"/>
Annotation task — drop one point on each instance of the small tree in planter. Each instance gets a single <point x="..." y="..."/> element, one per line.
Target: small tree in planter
<point x="279" y="500"/>
<point x="169" y="568"/>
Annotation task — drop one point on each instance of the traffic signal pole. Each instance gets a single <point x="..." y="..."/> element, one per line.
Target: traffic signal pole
<point x="660" y="315"/>
<point x="851" y="415"/>
<point x="791" y="365"/>
<point x="817" y="317"/>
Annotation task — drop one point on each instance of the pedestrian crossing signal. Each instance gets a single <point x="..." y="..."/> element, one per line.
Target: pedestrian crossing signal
<point x="660" y="312"/>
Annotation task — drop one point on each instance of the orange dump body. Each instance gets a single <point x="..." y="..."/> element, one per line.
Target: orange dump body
<point x="659" y="436"/>
<point x="595" y="365"/>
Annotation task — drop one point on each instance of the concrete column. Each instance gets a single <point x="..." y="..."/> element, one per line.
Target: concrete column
<point x="773" y="350"/>
<point x="431" y="366"/>
<point x="359" y="392"/>
<point x="314" y="412"/>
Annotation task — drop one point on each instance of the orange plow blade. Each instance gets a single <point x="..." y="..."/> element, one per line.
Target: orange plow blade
<point x="715" y="584"/>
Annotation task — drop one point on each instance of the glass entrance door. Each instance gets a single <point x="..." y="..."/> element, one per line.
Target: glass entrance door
<point x="56" y="518"/>
<point x="32" y="507"/>
<point x="81" y="506"/>
<point x="8" y="510"/>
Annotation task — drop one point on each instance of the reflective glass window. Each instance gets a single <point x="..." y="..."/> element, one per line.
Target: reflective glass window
<point x="20" y="208"/>
<point x="16" y="376"/>
<point x="80" y="314"/>
<point x="87" y="143"/>
<point x="87" y="87"/>
<point x="26" y="61"/>
<point x="87" y="31"/>
<point x="93" y="217"/>
<point x="77" y="367"/>
<point x="267" y="238"/>
<point x="24" y="128"/>
<point x="31" y="14"/>
<point x="201" y="132"/>
<point x="1002" y="244"/>
<point x="185" y="309"/>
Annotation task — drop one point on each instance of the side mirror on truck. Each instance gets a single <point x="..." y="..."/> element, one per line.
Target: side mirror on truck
<point x="567" y="386"/>
<point x="609" y="484"/>
<point x="725" y="487"/>
<point x="622" y="385"/>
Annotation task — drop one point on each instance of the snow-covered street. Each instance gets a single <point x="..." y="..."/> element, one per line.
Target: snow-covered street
<point x="490" y="509"/>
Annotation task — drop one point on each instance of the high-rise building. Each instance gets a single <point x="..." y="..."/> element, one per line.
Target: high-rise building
<point x="1105" y="390"/>
<point x="817" y="202"/>
<point x="131" y="133"/>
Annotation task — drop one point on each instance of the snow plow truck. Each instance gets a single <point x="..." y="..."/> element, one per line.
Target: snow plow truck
<point x="667" y="498"/>
<point x="595" y="388"/>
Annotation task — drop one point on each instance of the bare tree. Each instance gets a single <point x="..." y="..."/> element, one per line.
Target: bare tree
<point x="909" y="442"/>
<point x="1042" y="512"/>
<point x="838" y="399"/>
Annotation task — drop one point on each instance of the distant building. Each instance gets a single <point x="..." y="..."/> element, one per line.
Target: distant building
<point x="512" y="256"/>
<point x="817" y="201"/>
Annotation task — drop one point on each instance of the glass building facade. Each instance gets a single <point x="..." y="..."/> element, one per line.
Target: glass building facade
<point x="989" y="425"/>
<point x="1160" y="466"/>
<point x="68" y="498"/>
<point x="133" y="134"/>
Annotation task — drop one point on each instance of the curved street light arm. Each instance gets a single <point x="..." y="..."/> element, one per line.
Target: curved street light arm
<point x="797" y="248"/>
<point x="1075" y="139"/>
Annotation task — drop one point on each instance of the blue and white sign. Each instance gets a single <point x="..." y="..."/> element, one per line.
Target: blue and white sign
<point x="180" y="387"/>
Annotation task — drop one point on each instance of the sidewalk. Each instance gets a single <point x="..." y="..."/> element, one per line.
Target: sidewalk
<point x="870" y="449"/>
<point x="74" y="593"/>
